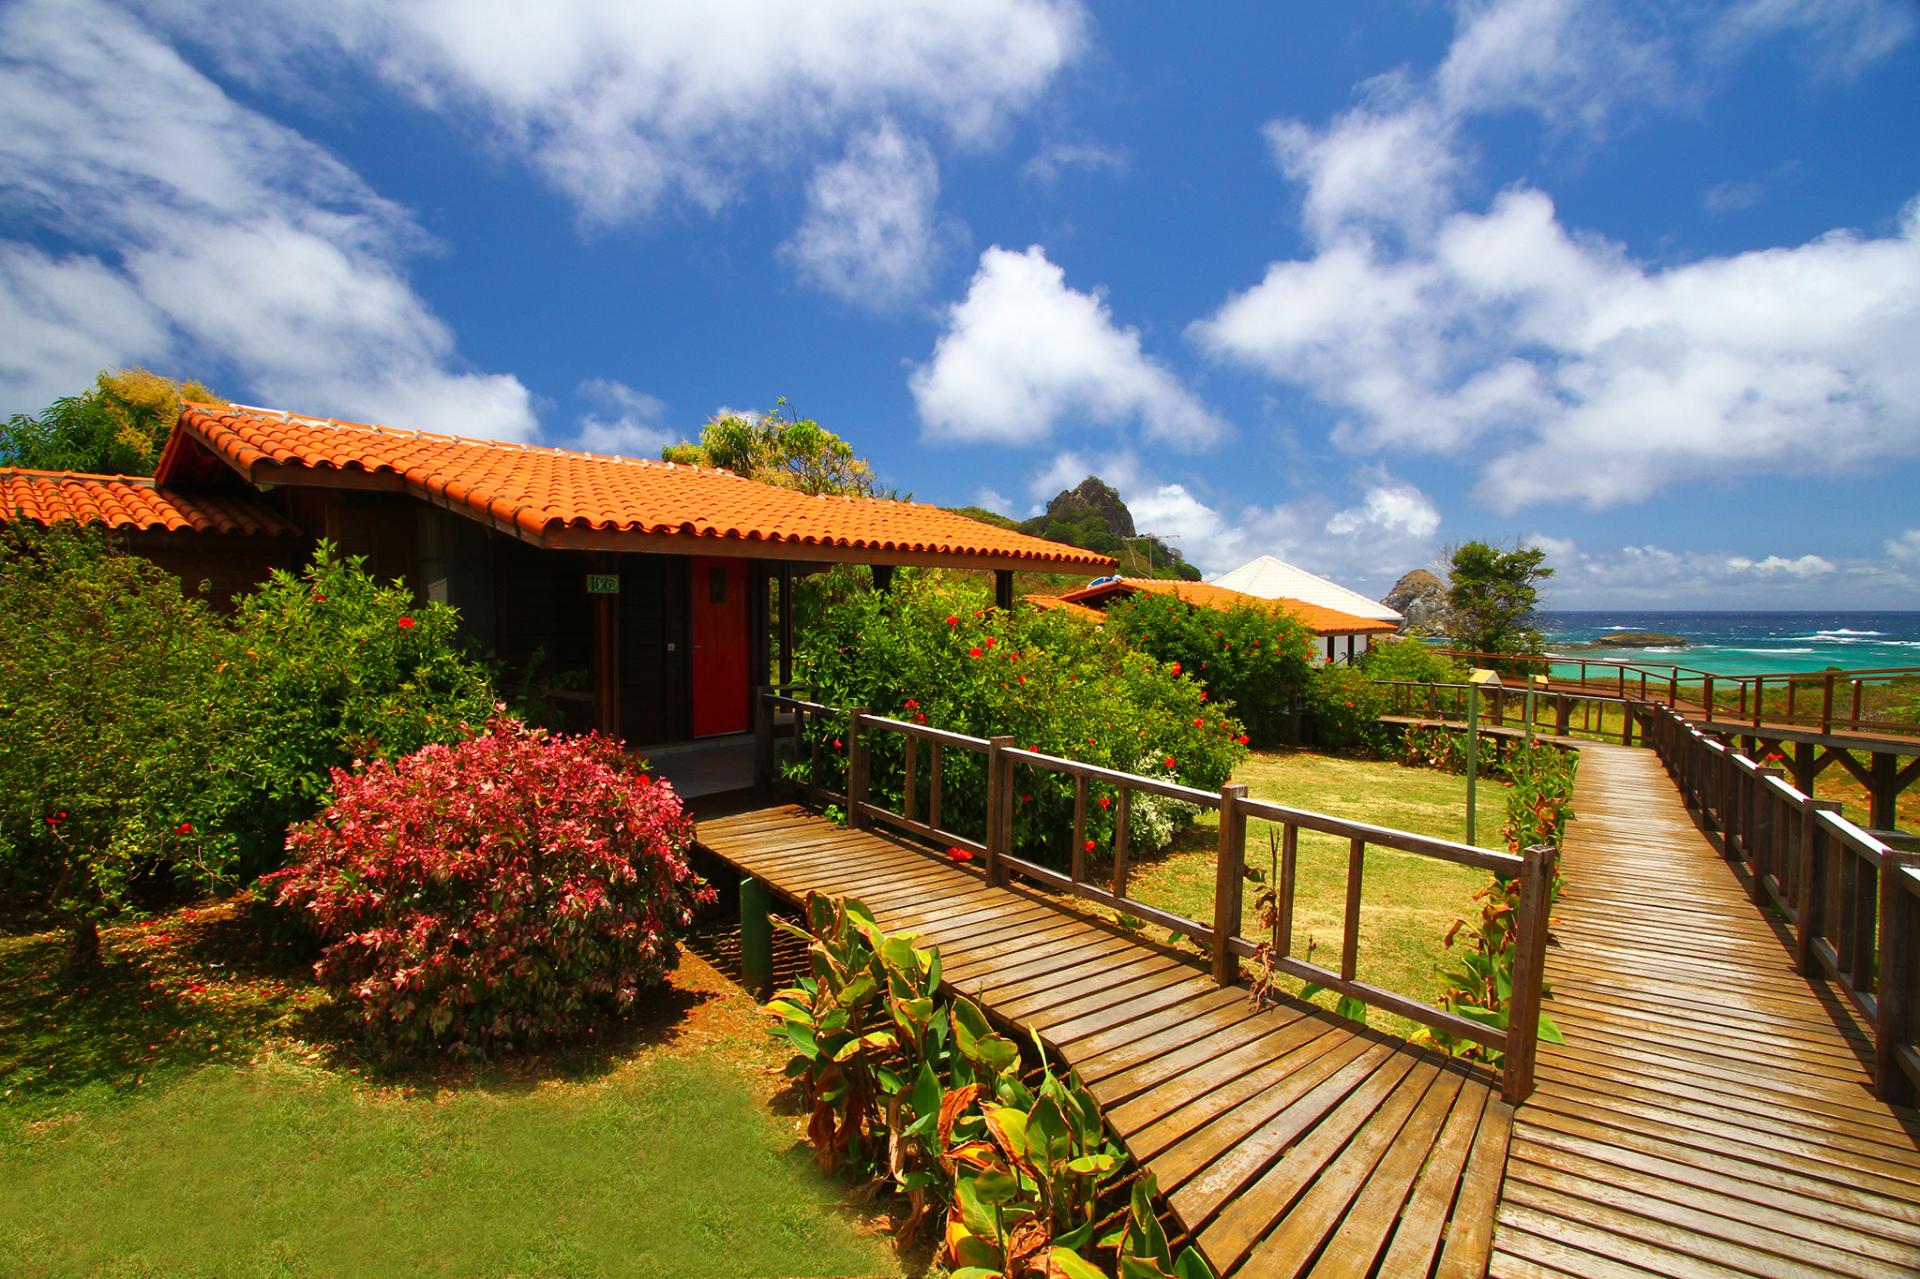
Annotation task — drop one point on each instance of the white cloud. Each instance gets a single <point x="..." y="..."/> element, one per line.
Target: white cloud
<point x="992" y="500"/>
<point x="211" y="240"/>
<point x="1389" y="506"/>
<point x="624" y="107"/>
<point x="1388" y="163"/>
<point x="1904" y="549"/>
<point x="628" y="422"/>
<point x="1578" y="373"/>
<point x="1838" y="37"/>
<point x="1024" y="352"/>
<point x="1798" y="566"/>
<point x="869" y="235"/>
<point x="1056" y="159"/>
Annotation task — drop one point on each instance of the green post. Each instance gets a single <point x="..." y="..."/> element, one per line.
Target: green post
<point x="1473" y="751"/>
<point x="756" y="936"/>
<point x="1530" y="710"/>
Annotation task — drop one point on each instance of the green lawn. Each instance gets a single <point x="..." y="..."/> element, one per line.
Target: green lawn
<point x="177" y="1117"/>
<point x="1407" y="902"/>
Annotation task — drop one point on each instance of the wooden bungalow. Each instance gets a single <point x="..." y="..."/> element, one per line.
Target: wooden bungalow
<point x="665" y="584"/>
<point x="1340" y="637"/>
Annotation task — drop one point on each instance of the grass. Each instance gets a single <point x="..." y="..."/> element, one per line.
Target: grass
<point x="1408" y="901"/>
<point x="179" y="1115"/>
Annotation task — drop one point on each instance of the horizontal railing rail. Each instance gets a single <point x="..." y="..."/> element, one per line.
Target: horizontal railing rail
<point x="1540" y="710"/>
<point x="1874" y="701"/>
<point x="1851" y="900"/>
<point x="918" y="759"/>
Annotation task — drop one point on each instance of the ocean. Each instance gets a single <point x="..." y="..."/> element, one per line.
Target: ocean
<point x="1746" y="643"/>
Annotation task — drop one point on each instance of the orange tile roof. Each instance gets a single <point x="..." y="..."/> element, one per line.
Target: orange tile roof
<point x="1320" y="619"/>
<point x="555" y="497"/>
<point x="1054" y="604"/>
<point x="130" y="502"/>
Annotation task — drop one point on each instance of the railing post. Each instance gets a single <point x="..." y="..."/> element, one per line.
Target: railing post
<point x="1535" y="905"/>
<point x="1228" y="877"/>
<point x="1813" y="883"/>
<point x="762" y="735"/>
<point x="1895" y="995"/>
<point x="756" y="936"/>
<point x="999" y="807"/>
<point x="858" y="764"/>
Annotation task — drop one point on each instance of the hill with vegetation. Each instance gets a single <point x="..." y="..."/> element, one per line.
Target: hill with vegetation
<point x="1092" y="516"/>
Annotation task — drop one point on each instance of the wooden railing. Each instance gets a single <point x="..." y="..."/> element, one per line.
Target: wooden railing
<point x="795" y="745"/>
<point x="1852" y="901"/>
<point x="1560" y="714"/>
<point x="1882" y="701"/>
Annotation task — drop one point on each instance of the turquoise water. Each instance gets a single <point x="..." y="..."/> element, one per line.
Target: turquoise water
<point x="1747" y="643"/>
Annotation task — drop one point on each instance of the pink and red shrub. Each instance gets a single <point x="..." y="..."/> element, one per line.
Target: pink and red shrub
<point x="496" y="893"/>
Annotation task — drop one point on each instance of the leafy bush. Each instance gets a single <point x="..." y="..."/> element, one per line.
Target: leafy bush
<point x="1412" y="661"/>
<point x="1256" y="659"/>
<point x="496" y="893"/>
<point x="921" y="654"/>
<point x="330" y="668"/>
<point x="1346" y="706"/>
<point x="117" y="427"/>
<point x="110" y="713"/>
<point x="910" y="1088"/>
<point x="1480" y="987"/>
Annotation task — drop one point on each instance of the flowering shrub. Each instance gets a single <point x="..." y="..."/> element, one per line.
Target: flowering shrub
<point x="928" y="654"/>
<point x="330" y="667"/>
<point x="496" y="893"/>
<point x="1346" y="707"/>
<point x="1255" y="658"/>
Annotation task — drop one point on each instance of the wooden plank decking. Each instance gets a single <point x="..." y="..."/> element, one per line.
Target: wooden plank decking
<point x="1287" y="1141"/>
<point x="1711" y="1112"/>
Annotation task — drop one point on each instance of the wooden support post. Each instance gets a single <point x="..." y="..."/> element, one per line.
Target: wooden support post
<point x="1814" y="855"/>
<point x="858" y="764"/>
<point x="606" y="653"/>
<point x="1805" y="769"/>
<point x="1563" y="714"/>
<point x="999" y="807"/>
<point x="882" y="577"/>
<point x="756" y="936"/>
<point x="1897" y="1019"/>
<point x="1228" y="877"/>
<point x="1883" y="768"/>
<point x="1529" y="968"/>
<point x="1003" y="589"/>
<point x="1473" y="752"/>
<point x="786" y="623"/>
<point x="762" y="736"/>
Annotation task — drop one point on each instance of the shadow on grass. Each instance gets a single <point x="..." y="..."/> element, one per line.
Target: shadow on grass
<point x="204" y="986"/>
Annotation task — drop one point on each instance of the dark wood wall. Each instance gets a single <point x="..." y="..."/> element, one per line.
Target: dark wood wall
<point x="655" y="670"/>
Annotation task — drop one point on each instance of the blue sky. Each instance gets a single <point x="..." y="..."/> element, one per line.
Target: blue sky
<point x="1337" y="283"/>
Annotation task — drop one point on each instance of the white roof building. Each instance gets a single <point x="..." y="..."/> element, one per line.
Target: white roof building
<point x="1275" y="579"/>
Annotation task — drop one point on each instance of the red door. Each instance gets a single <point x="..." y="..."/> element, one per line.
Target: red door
<point x="717" y="621"/>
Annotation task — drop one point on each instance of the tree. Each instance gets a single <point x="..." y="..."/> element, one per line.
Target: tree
<point x="117" y="428"/>
<point x="1491" y="594"/>
<point x="776" y="448"/>
<point x="110" y="715"/>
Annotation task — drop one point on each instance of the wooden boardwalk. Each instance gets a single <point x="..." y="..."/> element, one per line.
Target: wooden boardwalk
<point x="1287" y="1141"/>
<point x="1711" y="1112"/>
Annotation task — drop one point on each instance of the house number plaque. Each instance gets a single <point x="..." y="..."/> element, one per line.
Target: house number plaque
<point x="603" y="583"/>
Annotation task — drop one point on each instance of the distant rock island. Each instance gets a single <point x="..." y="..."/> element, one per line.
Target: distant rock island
<point x="1631" y="639"/>
<point x="1420" y="598"/>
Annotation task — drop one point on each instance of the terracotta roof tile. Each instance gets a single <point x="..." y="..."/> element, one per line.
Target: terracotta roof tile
<point x="544" y="494"/>
<point x="1054" y="604"/>
<point x="1318" y="618"/>
<point x="130" y="502"/>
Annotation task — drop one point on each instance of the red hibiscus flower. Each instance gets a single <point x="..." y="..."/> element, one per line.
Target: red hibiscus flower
<point x="406" y="623"/>
<point x="1089" y="845"/>
<point x="959" y="855"/>
<point x="953" y="621"/>
<point x="1169" y="761"/>
<point x="974" y="651"/>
